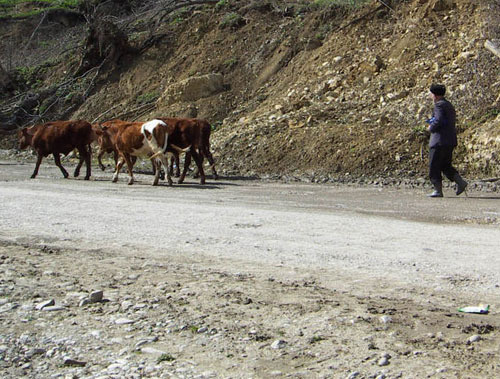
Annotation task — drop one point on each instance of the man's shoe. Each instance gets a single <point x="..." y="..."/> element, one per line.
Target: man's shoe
<point x="436" y="193"/>
<point x="461" y="184"/>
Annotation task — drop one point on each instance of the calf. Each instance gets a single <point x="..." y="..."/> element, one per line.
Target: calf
<point x="196" y="133"/>
<point x="59" y="137"/>
<point x="105" y="146"/>
<point x="138" y="139"/>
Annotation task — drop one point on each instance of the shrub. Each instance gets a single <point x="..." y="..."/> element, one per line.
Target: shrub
<point x="232" y="20"/>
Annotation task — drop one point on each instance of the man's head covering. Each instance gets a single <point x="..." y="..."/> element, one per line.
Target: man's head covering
<point x="438" y="89"/>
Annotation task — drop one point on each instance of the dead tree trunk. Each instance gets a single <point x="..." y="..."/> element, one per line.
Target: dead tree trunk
<point x="105" y="44"/>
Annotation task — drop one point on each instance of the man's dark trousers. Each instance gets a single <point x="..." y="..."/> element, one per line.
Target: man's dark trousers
<point x="440" y="161"/>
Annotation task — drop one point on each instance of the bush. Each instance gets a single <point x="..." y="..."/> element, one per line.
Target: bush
<point x="232" y="20"/>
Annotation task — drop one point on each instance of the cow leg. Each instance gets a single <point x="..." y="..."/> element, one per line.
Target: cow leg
<point x="130" y="167"/>
<point x="57" y="159"/>
<point x="174" y="161"/>
<point x="37" y="166"/>
<point x="199" y="162"/>
<point x="187" y="162"/>
<point x="81" y="155"/>
<point x="210" y="158"/>
<point x="115" y="157"/>
<point x="88" y="161"/>
<point x="156" y="170"/>
<point x="164" y="162"/>
<point x="119" y="165"/>
<point x="99" y="159"/>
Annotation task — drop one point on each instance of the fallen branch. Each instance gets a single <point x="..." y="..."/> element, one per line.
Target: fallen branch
<point x="492" y="47"/>
<point x="34" y="31"/>
<point x="490" y="180"/>
<point x="355" y="21"/>
<point x="102" y="114"/>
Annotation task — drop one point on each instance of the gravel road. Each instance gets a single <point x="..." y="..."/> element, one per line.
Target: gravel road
<point x="390" y="234"/>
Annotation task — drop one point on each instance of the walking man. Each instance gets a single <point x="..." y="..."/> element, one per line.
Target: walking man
<point x="442" y="142"/>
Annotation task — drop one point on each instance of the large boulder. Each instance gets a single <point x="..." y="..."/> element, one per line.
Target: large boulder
<point x="192" y="89"/>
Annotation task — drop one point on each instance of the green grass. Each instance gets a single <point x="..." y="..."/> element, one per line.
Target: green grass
<point x="165" y="358"/>
<point x="148" y="97"/>
<point x="341" y="3"/>
<point x="8" y="7"/>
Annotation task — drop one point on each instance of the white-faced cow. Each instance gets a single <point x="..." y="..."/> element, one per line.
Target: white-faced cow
<point x="134" y="140"/>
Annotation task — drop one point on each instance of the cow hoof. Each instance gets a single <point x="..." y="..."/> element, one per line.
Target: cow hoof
<point x="102" y="168"/>
<point x="76" y="174"/>
<point x="86" y="178"/>
<point x="202" y="181"/>
<point x="66" y="176"/>
<point x="33" y="176"/>
<point x="170" y="183"/>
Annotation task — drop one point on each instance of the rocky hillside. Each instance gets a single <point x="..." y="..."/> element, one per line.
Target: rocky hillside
<point x="317" y="90"/>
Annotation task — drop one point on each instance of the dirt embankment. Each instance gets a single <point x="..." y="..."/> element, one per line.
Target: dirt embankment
<point x="293" y="89"/>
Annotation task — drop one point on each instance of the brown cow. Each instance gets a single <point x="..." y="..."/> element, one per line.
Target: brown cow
<point x="59" y="137"/>
<point x="106" y="142"/>
<point x="138" y="139"/>
<point x="105" y="146"/>
<point x="195" y="133"/>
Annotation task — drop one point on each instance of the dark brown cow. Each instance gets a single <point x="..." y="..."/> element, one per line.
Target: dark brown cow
<point x="59" y="137"/>
<point x="195" y="133"/>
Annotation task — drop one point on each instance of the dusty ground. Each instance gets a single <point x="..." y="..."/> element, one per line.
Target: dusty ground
<point x="244" y="278"/>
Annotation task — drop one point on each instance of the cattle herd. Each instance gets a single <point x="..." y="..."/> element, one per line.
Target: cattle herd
<point x="161" y="140"/>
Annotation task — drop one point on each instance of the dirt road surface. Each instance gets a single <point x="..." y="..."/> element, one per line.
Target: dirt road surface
<point x="244" y="278"/>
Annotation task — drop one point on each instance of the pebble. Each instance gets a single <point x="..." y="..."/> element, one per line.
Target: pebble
<point x="151" y="350"/>
<point x="386" y="319"/>
<point x="73" y="362"/>
<point x="123" y="321"/>
<point x="126" y="305"/>
<point x="53" y="308"/>
<point x="384" y="361"/>
<point x="44" y="304"/>
<point x="96" y="296"/>
<point x="278" y="344"/>
<point x="474" y="338"/>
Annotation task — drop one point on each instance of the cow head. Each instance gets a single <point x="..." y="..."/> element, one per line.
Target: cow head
<point x="25" y="137"/>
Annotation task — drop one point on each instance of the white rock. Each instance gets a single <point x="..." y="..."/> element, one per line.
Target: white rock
<point x="123" y="321"/>
<point x="53" y="308"/>
<point x="44" y="304"/>
<point x="474" y="338"/>
<point x="384" y="361"/>
<point x="278" y="344"/>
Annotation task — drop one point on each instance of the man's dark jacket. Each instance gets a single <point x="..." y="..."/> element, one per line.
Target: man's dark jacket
<point x="442" y="127"/>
